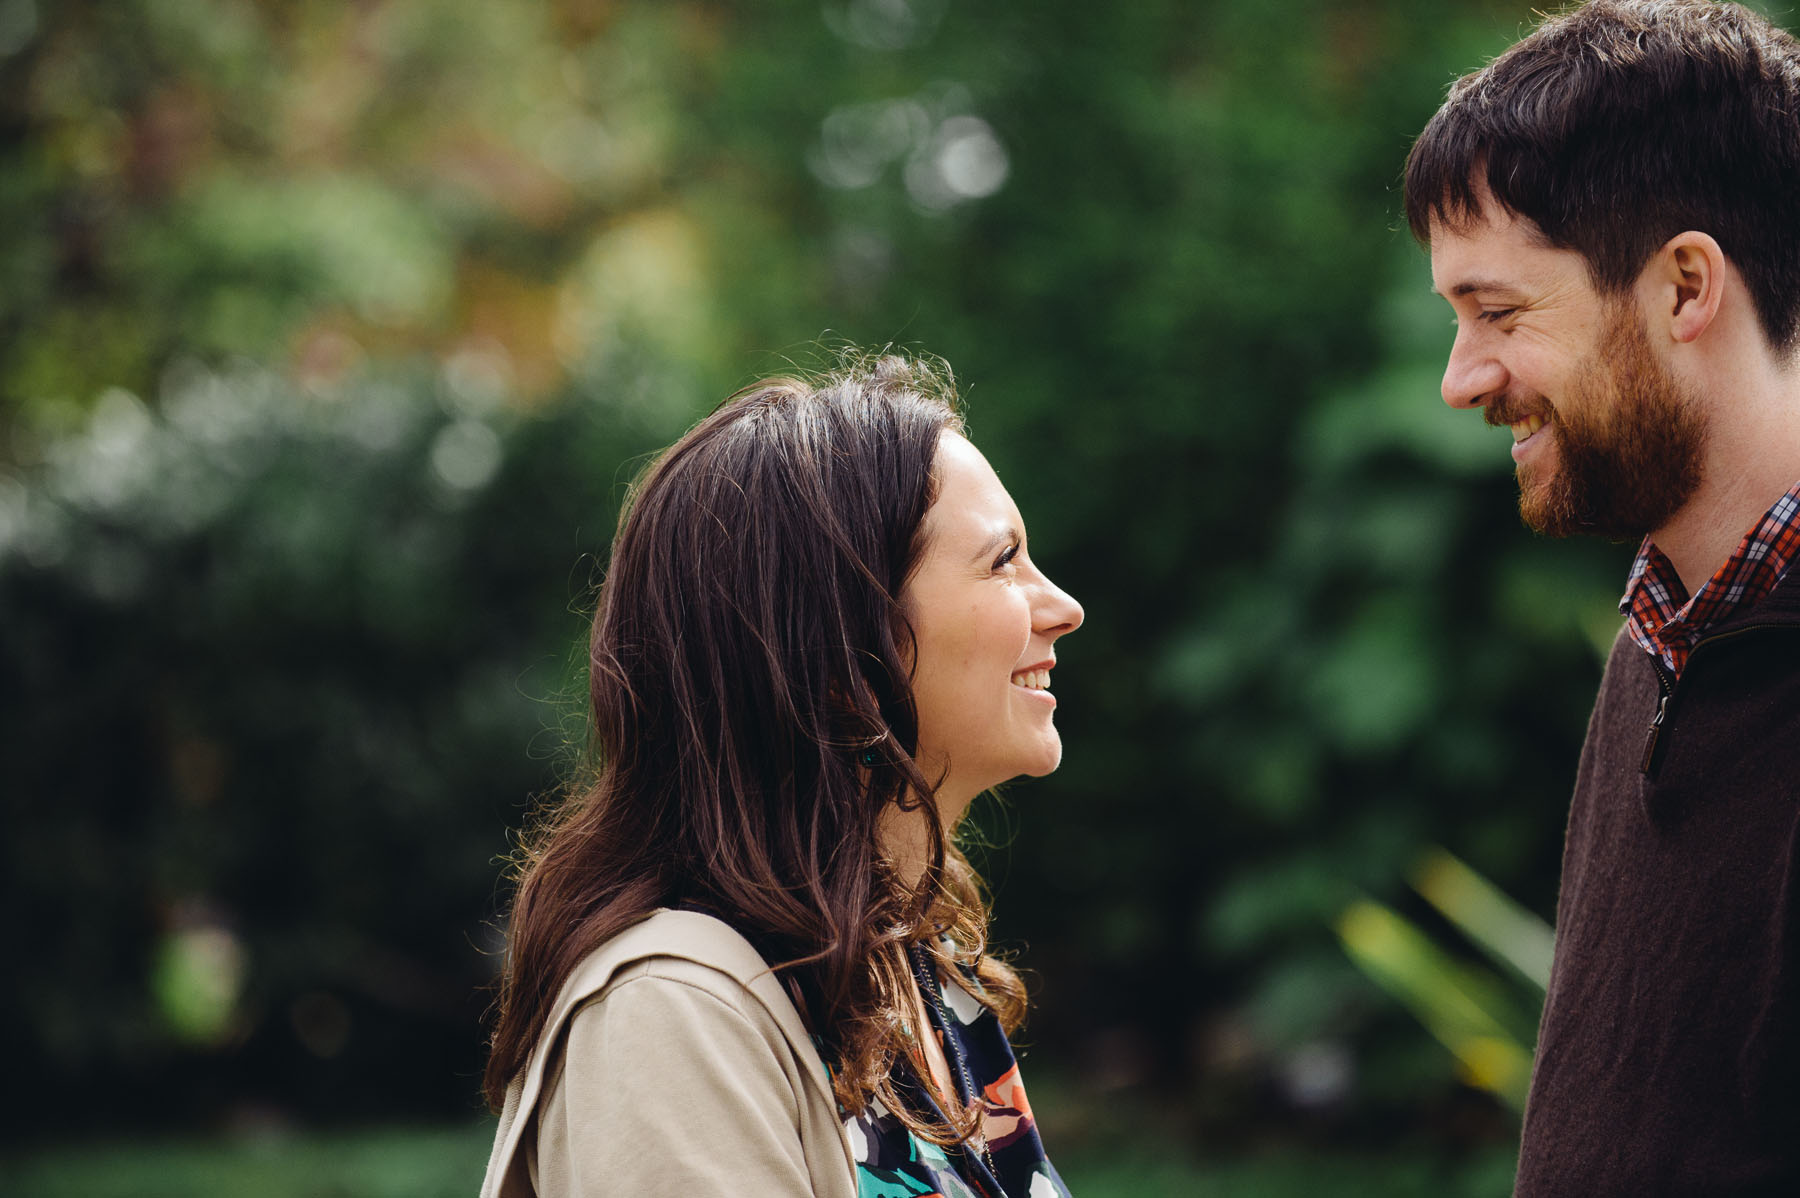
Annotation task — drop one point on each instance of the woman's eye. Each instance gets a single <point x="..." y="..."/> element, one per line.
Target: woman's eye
<point x="1492" y="315"/>
<point x="1006" y="556"/>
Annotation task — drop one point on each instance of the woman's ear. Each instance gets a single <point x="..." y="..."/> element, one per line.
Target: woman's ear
<point x="856" y="721"/>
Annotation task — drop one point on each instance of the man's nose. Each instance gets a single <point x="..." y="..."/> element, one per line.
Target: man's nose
<point x="1473" y="375"/>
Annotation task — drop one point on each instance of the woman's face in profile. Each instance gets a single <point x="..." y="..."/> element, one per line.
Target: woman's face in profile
<point x="986" y="621"/>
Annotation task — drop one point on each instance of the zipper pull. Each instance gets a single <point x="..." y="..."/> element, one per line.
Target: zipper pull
<point x="1662" y="709"/>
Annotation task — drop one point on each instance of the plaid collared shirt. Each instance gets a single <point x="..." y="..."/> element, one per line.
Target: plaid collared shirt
<point x="1666" y="622"/>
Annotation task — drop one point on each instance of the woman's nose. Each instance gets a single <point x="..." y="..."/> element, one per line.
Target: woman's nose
<point x="1057" y="611"/>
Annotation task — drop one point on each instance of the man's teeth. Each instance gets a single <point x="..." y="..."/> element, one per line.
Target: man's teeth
<point x="1037" y="680"/>
<point x="1524" y="428"/>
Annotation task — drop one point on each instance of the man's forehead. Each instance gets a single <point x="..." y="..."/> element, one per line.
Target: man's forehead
<point x="1492" y="249"/>
<point x="1487" y="220"/>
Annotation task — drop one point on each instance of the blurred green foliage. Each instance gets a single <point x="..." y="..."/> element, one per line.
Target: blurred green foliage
<point x="439" y="1164"/>
<point x="330" y="334"/>
<point x="408" y="1163"/>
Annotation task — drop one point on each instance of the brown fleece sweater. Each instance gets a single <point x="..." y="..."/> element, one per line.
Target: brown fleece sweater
<point x="1667" y="1059"/>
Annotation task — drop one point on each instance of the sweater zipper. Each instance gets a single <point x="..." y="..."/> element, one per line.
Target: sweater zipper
<point x="1666" y="685"/>
<point x="1656" y="722"/>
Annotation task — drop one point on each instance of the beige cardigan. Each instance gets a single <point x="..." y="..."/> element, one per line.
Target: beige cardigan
<point x="673" y="1062"/>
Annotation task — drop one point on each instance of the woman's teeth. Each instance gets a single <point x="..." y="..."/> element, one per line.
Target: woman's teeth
<point x="1524" y="428"/>
<point x="1037" y="680"/>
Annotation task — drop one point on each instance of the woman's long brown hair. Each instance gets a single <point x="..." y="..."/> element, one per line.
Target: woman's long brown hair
<point x="753" y="717"/>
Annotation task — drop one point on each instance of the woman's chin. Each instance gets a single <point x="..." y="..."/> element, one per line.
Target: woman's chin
<point x="1049" y="759"/>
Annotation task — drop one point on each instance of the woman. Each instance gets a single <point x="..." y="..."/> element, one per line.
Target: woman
<point x="746" y="958"/>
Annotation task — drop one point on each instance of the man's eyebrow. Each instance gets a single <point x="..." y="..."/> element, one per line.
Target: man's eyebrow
<point x="998" y="538"/>
<point x="1471" y="286"/>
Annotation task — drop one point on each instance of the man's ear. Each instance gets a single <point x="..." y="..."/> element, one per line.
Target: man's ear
<point x="1685" y="282"/>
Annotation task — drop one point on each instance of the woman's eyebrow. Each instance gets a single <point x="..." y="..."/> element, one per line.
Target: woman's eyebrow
<point x="999" y="538"/>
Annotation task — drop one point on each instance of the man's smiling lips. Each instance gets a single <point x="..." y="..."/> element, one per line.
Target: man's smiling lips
<point x="1525" y="435"/>
<point x="1523" y="429"/>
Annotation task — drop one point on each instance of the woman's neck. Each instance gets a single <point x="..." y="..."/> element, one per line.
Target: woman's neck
<point x="906" y="834"/>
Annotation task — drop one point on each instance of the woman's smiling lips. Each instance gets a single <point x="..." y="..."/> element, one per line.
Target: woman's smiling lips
<point x="1035" y="680"/>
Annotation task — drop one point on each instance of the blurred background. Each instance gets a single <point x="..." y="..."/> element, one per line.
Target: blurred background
<point x="330" y="335"/>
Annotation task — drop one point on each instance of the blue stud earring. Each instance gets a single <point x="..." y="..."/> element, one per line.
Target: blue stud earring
<point x="871" y="758"/>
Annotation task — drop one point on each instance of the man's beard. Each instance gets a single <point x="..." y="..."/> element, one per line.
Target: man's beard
<point x="1628" y="444"/>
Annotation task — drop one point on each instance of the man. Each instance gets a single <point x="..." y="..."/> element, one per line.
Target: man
<point x="1613" y="210"/>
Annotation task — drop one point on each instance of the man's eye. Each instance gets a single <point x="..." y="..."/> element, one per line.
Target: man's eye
<point x="1492" y="315"/>
<point x="1006" y="556"/>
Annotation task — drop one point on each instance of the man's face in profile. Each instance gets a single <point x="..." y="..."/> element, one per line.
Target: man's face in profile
<point x="1605" y="439"/>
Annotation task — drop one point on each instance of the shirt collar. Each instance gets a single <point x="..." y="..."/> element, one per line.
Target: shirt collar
<point x="1667" y="622"/>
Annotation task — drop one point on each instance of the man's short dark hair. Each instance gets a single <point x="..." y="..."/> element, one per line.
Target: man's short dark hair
<point x="1615" y="126"/>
